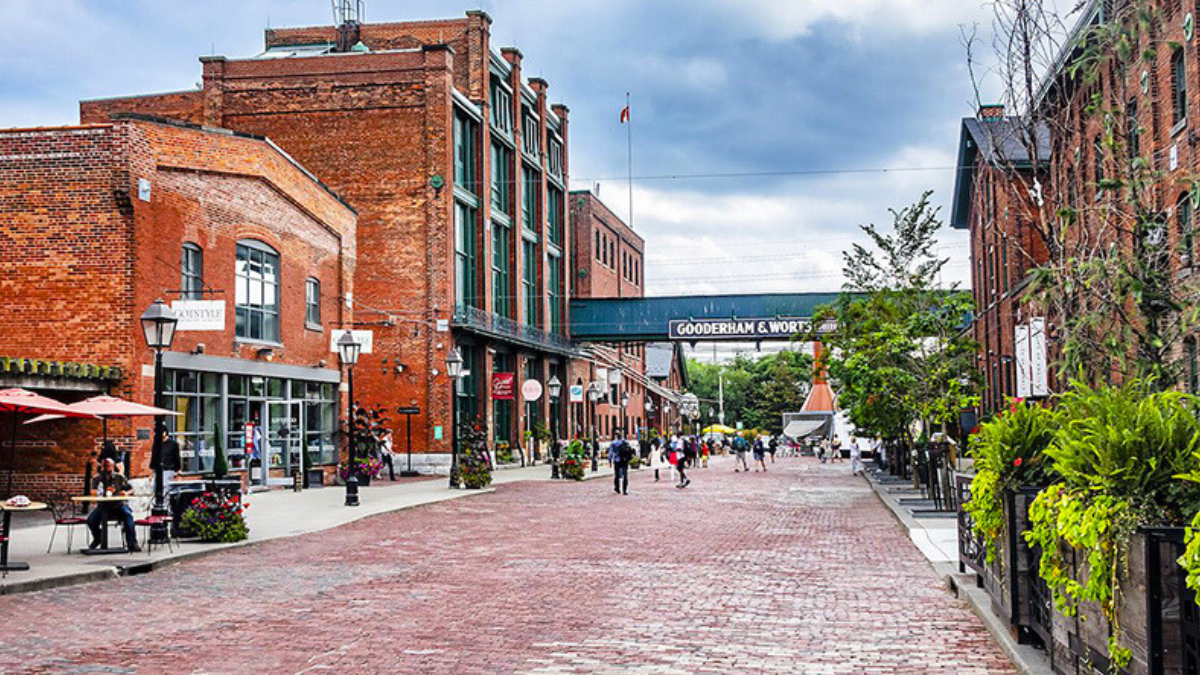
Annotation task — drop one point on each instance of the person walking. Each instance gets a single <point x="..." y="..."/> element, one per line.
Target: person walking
<point x="772" y="446"/>
<point x="739" y="450"/>
<point x="856" y="463"/>
<point x="620" y="453"/>
<point x="680" y="462"/>
<point x="387" y="455"/>
<point x="760" y="453"/>
<point x="656" y="459"/>
<point x="836" y="450"/>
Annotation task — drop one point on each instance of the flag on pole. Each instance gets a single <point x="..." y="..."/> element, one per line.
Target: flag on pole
<point x="625" y="114"/>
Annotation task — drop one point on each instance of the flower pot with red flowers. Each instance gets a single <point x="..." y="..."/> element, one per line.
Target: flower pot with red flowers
<point x="214" y="517"/>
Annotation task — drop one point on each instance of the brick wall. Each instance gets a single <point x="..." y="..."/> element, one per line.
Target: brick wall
<point x="84" y="255"/>
<point x="592" y="277"/>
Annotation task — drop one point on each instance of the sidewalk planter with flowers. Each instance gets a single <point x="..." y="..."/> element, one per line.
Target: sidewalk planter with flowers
<point x="213" y="517"/>
<point x="1117" y="461"/>
<point x="364" y="468"/>
<point x="474" y="469"/>
<point x="574" y="461"/>
<point x="1010" y="469"/>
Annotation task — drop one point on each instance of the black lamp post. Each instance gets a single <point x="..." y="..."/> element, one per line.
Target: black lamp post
<point x="454" y="369"/>
<point x="594" y="396"/>
<point x="625" y="412"/>
<point x="158" y="325"/>
<point x="554" y="389"/>
<point x="348" y="351"/>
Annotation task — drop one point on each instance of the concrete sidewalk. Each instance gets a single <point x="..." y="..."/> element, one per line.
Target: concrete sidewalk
<point x="271" y="515"/>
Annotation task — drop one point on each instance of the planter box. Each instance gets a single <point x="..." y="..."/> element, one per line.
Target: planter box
<point x="1009" y="578"/>
<point x="1159" y="618"/>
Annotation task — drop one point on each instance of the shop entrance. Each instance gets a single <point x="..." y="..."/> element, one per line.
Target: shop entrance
<point x="284" y="441"/>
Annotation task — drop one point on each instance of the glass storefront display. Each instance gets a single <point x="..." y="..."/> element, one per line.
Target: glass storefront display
<point x="299" y="416"/>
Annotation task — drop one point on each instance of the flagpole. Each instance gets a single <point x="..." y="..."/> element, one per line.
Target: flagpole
<point x="629" y="144"/>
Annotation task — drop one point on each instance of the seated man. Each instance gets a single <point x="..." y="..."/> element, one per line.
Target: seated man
<point x="110" y="482"/>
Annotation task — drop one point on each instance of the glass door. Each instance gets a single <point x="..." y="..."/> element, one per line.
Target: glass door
<point x="284" y="441"/>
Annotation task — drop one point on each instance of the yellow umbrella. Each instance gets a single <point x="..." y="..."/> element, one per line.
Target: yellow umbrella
<point x="718" y="429"/>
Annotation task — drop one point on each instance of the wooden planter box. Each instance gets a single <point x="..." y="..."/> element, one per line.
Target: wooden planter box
<point x="1009" y="579"/>
<point x="1159" y="617"/>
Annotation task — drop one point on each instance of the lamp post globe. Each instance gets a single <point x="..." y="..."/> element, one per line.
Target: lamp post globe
<point x="158" y="326"/>
<point x="554" y="386"/>
<point x="349" y="349"/>
<point x="454" y="369"/>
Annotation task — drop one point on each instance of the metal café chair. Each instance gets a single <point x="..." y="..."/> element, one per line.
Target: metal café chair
<point x="66" y="514"/>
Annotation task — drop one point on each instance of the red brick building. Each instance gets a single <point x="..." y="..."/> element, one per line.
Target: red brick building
<point x="457" y="166"/>
<point x="992" y="199"/>
<point x="1150" y="109"/>
<point x="99" y="220"/>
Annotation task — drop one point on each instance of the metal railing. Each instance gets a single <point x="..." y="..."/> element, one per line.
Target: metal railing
<point x="494" y="325"/>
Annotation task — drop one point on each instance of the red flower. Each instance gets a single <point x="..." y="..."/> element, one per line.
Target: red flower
<point x="1017" y="462"/>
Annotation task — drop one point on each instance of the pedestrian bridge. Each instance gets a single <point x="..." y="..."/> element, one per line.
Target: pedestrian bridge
<point x="696" y="318"/>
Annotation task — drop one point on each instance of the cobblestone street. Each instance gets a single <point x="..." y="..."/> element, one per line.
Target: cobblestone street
<point x="800" y="570"/>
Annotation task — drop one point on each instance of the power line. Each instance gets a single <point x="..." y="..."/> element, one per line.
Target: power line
<point x="769" y="174"/>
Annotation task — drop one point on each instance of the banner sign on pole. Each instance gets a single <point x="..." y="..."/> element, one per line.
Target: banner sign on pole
<point x="576" y="393"/>
<point x="1021" y="346"/>
<point x="199" y="314"/>
<point x="1038" y="374"/>
<point x="504" y="386"/>
<point x="743" y="329"/>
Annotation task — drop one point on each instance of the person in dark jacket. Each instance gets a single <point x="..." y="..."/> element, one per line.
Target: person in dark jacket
<point x="620" y="453"/>
<point x="168" y="455"/>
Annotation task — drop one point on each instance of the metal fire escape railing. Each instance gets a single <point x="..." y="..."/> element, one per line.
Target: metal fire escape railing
<point x="493" y="325"/>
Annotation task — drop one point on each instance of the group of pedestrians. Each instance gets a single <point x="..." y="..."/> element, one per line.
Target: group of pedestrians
<point x="831" y="452"/>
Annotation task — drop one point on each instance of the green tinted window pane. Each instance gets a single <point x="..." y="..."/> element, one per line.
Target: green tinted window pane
<point x="297" y="387"/>
<point x="187" y="380"/>
<point x="258" y="386"/>
<point x="275" y="388"/>
<point x="210" y="383"/>
<point x="237" y="385"/>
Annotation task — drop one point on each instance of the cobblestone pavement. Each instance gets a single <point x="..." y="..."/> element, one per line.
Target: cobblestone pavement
<point x="800" y="570"/>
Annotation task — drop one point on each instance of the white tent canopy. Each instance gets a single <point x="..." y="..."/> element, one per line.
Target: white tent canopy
<point x="800" y="429"/>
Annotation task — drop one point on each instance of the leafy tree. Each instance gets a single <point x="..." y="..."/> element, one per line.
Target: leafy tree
<point x="757" y="391"/>
<point x="900" y="354"/>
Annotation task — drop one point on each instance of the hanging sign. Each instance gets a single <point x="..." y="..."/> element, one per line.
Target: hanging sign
<point x="1021" y="347"/>
<point x="576" y="394"/>
<point x="199" y="314"/>
<point x="531" y="390"/>
<point x="504" y="386"/>
<point x="743" y="329"/>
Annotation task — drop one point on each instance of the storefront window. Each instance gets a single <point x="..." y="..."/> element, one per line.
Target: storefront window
<point x="309" y="408"/>
<point x="502" y="433"/>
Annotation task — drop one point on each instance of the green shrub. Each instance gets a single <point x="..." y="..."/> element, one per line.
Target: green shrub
<point x="474" y="469"/>
<point x="574" y="461"/>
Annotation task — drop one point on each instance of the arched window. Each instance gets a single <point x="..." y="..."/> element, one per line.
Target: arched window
<point x="257" y="291"/>
<point x="191" y="266"/>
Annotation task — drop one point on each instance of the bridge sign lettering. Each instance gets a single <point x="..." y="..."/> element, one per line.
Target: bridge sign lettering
<point x="743" y="329"/>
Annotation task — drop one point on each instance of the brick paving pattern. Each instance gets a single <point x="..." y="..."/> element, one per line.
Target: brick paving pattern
<point x="800" y="570"/>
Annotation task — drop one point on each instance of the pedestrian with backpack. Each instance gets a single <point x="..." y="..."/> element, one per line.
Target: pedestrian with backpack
<point x="620" y="453"/>
<point x="740" y="446"/>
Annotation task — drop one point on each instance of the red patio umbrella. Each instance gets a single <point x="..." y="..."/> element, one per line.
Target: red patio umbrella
<point x="23" y="402"/>
<point x="107" y="407"/>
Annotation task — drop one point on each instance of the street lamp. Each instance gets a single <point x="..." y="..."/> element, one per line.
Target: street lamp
<point x="554" y="388"/>
<point x="624" y="412"/>
<point x="158" y="325"/>
<point x="454" y="369"/>
<point x="594" y="390"/>
<point x="348" y="351"/>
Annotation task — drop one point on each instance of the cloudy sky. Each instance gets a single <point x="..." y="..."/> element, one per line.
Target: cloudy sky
<point x="760" y="127"/>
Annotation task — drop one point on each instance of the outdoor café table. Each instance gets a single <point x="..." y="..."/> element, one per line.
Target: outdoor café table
<point x="104" y="548"/>
<point x="6" y="535"/>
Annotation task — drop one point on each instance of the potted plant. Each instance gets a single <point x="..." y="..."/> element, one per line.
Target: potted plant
<point x="574" y="460"/>
<point x="474" y="469"/>
<point x="504" y="452"/>
<point x="368" y="429"/>
<point x="542" y="434"/>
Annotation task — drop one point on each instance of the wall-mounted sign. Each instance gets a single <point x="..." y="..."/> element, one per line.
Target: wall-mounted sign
<point x="531" y="390"/>
<point x="1030" y="363"/>
<point x="199" y="314"/>
<point x="144" y="189"/>
<point x="743" y="329"/>
<point x="576" y="393"/>
<point x="365" y="338"/>
<point x="504" y="386"/>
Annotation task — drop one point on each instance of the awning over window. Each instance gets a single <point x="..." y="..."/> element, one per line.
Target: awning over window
<point x="801" y="429"/>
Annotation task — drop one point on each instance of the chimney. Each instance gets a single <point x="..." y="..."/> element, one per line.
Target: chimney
<point x="991" y="112"/>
